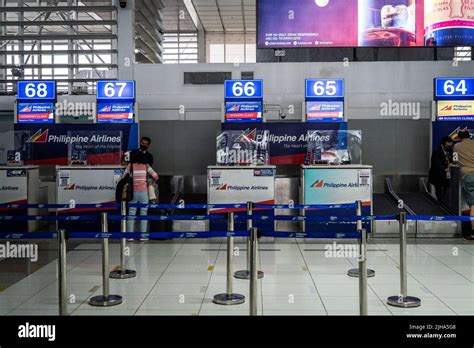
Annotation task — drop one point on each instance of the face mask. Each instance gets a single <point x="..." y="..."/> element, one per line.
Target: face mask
<point x="143" y="147"/>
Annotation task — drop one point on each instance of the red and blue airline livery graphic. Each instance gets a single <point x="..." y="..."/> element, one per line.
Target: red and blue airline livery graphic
<point x="115" y="112"/>
<point x="35" y="112"/>
<point x="325" y="111"/>
<point x="243" y="112"/>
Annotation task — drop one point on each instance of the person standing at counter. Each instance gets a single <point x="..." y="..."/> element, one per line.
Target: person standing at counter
<point x="441" y="160"/>
<point x="139" y="170"/>
<point x="151" y="186"/>
<point x="464" y="151"/>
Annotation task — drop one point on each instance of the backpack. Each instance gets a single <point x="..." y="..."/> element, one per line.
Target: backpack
<point x="124" y="189"/>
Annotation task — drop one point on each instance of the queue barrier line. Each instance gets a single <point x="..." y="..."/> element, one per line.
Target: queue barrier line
<point x="311" y="235"/>
<point x="49" y="218"/>
<point x="308" y="206"/>
<point x="334" y="218"/>
<point x="439" y="218"/>
<point x="59" y="206"/>
<point x="167" y="217"/>
<point x="121" y="235"/>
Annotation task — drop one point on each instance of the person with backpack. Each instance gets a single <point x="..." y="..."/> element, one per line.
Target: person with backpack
<point x="139" y="171"/>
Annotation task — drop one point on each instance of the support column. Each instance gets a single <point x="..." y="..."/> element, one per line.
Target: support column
<point x="126" y="40"/>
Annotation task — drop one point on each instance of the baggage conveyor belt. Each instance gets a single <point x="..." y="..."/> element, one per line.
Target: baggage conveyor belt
<point x="421" y="204"/>
<point x="384" y="205"/>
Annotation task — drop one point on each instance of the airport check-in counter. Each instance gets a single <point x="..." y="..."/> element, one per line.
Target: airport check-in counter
<point x="19" y="185"/>
<point x="456" y="199"/>
<point x="86" y="185"/>
<point x="336" y="184"/>
<point x="231" y="185"/>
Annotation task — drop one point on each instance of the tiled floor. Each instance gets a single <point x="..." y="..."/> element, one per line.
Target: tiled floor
<point x="181" y="278"/>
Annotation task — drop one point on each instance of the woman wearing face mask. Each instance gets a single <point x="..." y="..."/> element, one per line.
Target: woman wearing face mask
<point x="152" y="187"/>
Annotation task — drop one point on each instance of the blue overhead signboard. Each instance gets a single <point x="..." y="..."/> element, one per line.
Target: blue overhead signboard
<point x="36" y="91"/>
<point x="115" y="91"/>
<point x="454" y="89"/>
<point x="243" y="90"/>
<point x="324" y="89"/>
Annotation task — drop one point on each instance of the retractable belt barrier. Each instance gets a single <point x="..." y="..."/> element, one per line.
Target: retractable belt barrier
<point x="252" y="234"/>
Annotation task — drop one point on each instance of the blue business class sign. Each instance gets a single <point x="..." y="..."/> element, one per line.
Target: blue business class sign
<point x="454" y="89"/>
<point x="324" y="89"/>
<point x="36" y="91"/>
<point x="240" y="90"/>
<point x="115" y="90"/>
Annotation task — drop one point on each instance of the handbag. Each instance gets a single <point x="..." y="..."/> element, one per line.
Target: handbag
<point x="124" y="190"/>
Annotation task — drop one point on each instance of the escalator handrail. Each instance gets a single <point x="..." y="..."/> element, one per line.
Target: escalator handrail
<point x="393" y="195"/>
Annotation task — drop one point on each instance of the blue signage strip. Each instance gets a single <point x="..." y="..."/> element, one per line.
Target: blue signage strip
<point x="454" y="89"/>
<point x="36" y="91"/>
<point x="243" y="90"/>
<point x="116" y="90"/>
<point x="324" y="89"/>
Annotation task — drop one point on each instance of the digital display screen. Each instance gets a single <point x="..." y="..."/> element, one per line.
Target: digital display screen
<point x="325" y="111"/>
<point x="365" y="23"/>
<point x="243" y="112"/>
<point x="35" y="112"/>
<point x="324" y="89"/>
<point x="115" y="90"/>
<point x="454" y="88"/>
<point x="36" y="91"/>
<point x="243" y="90"/>
<point x="115" y="112"/>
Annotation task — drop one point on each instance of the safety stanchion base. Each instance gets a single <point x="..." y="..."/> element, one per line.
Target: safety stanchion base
<point x="244" y="274"/>
<point x="355" y="273"/>
<point x="229" y="299"/>
<point x="126" y="274"/>
<point x="103" y="301"/>
<point x="404" y="302"/>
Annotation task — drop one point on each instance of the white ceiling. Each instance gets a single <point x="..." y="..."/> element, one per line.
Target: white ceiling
<point x="215" y="15"/>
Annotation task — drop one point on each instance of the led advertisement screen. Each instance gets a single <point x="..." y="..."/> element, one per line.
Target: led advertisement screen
<point x="365" y="23"/>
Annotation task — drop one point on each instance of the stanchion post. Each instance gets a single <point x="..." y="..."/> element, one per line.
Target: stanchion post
<point x="403" y="300"/>
<point x="363" y="273"/>
<point x="62" y="296"/>
<point x="245" y="274"/>
<point x="229" y="298"/>
<point x="354" y="272"/>
<point x="123" y="272"/>
<point x="105" y="300"/>
<point x="253" y="272"/>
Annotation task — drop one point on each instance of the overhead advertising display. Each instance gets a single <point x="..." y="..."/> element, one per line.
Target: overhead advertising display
<point x="243" y="112"/>
<point x="456" y="110"/>
<point x="365" y="23"/>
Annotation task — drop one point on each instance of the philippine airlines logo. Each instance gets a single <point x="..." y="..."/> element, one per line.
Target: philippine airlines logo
<point x="106" y="109"/>
<point x="316" y="107"/>
<point x="222" y="187"/>
<point x="26" y="109"/>
<point x="248" y="136"/>
<point x="447" y="108"/>
<point x="235" y="108"/>
<point x="39" y="137"/>
<point x="318" y="184"/>
<point x="70" y="187"/>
